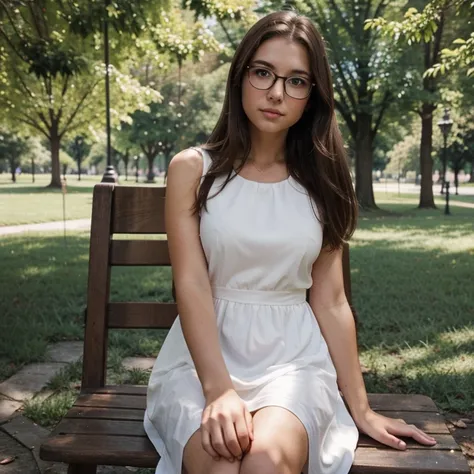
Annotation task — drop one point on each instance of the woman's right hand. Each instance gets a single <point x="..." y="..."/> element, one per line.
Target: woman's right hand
<point x="226" y="426"/>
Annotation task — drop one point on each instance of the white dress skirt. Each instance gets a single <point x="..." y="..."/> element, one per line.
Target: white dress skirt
<point x="260" y="242"/>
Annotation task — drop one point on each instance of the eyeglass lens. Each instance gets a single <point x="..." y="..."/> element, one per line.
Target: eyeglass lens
<point x="296" y="86"/>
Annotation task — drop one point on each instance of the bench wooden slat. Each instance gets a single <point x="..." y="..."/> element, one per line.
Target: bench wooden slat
<point x="445" y="442"/>
<point x="111" y="401"/>
<point x="430" y="422"/>
<point x="375" y="461"/>
<point x="139" y="252"/>
<point x="135" y="428"/>
<point x="146" y="315"/>
<point x="100" y="427"/>
<point x="399" y="402"/>
<point x="139" y="452"/>
<point x="138" y="210"/>
<point x="123" y="390"/>
<point x="95" y="413"/>
<point x="100" y="449"/>
<point x="388" y="402"/>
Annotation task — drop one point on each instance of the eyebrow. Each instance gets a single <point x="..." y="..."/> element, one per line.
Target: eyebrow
<point x="271" y="66"/>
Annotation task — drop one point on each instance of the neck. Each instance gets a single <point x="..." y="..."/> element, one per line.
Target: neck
<point x="267" y="148"/>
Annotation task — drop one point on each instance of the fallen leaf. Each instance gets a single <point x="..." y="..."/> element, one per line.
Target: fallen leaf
<point x="7" y="460"/>
<point x="460" y="424"/>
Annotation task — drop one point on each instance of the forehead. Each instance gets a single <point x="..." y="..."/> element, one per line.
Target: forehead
<point x="285" y="55"/>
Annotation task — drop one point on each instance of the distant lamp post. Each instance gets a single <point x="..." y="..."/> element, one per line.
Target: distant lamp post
<point x="109" y="176"/>
<point x="445" y="125"/>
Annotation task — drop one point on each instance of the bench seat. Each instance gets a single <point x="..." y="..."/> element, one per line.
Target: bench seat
<point x="106" y="427"/>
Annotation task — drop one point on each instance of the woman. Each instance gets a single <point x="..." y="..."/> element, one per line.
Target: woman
<point x="246" y="379"/>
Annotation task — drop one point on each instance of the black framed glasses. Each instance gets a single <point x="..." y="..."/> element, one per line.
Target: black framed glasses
<point x="297" y="87"/>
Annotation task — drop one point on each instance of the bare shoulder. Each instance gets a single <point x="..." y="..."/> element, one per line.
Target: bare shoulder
<point x="186" y="165"/>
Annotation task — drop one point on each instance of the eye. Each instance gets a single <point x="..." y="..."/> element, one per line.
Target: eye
<point x="260" y="72"/>
<point x="297" y="82"/>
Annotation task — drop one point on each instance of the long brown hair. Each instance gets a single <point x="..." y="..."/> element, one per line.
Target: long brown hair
<point x="315" y="154"/>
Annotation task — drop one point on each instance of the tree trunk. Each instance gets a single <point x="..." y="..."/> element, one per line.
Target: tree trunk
<point x="55" y="143"/>
<point x="13" y="170"/>
<point x="79" y="169"/>
<point x="364" y="163"/>
<point x="33" y="170"/>
<point x="471" y="178"/>
<point x="426" y="162"/>
<point x="150" y="177"/>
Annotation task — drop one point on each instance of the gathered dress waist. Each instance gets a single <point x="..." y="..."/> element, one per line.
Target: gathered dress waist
<point x="261" y="297"/>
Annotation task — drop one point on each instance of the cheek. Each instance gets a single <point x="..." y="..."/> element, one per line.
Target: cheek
<point x="296" y="109"/>
<point x="249" y="97"/>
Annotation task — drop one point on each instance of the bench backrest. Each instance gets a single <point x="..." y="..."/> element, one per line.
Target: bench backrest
<point x="128" y="210"/>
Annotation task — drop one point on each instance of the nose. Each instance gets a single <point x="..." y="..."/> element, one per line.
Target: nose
<point x="277" y="91"/>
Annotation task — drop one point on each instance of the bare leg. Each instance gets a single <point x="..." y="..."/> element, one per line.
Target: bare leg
<point x="197" y="461"/>
<point x="280" y="444"/>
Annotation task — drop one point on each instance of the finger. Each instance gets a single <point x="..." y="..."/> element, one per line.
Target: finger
<point x="231" y="440"/>
<point x="217" y="442"/>
<point x="392" y="441"/>
<point x="206" y="444"/>
<point x="242" y="433"/>
<point x="413" y="432"/>
<point x="249" y="421"/>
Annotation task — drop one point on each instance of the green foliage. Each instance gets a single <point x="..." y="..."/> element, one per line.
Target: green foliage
<point x="421" y="26"/>
<point x="405" y="155"/>
<point x="180" y="40"/>
<point x="12" y="150"/>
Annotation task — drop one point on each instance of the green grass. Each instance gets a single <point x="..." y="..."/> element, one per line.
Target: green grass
<point x="412" y="276"/>
<point x="28" y="203"/>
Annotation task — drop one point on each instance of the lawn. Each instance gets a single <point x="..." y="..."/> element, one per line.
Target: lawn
<point x="25" y="202"/>
<point x="412" y="284"/>
<point x="28" y="203"/>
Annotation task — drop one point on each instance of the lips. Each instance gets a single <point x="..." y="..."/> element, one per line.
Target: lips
<point x="272" y="111"/>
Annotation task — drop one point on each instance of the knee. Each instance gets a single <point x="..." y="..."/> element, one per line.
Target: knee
<point x="264" y="459"/>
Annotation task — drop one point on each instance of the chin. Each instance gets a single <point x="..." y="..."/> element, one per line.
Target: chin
<point x="269" y="127"/>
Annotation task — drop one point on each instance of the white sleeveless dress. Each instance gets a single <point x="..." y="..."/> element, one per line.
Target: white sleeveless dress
<point x="260" y="241"/>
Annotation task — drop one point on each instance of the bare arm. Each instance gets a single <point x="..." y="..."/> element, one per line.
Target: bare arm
<point x="331" y="308"/>
<point x="226" y="425"/>
<point x="334" y="315"/>
<point x="193" y="290"/>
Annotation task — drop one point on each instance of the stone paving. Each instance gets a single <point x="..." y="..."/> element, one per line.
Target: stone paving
<point x="20" y="438"/>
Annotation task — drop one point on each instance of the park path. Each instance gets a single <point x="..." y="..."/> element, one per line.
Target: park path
<point x="76" y="224"/>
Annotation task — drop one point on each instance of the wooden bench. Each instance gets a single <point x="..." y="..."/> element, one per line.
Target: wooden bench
<point x="104" y="427"/>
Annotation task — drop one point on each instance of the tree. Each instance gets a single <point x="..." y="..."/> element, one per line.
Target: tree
<point x="37" y="157"/>
<point x="78" y="149"/>
<point x="426" y="28"/>
<point x="52" y="79"/>
<point x="229" y="15"/>
<point x="66" y="162"/>
<point x="12" y="149"/>
<point x="367" y="74"/>
<point x="423" y="26"/>
<point x="404" y="156"/>
<point x="461" y="152"/>
<point x="157" y="130"/>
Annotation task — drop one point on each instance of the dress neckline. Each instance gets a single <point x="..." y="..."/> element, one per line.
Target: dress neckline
<point x="263" y="183"/>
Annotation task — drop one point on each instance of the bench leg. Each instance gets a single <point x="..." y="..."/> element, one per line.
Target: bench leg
<point x="82" y="469"/>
